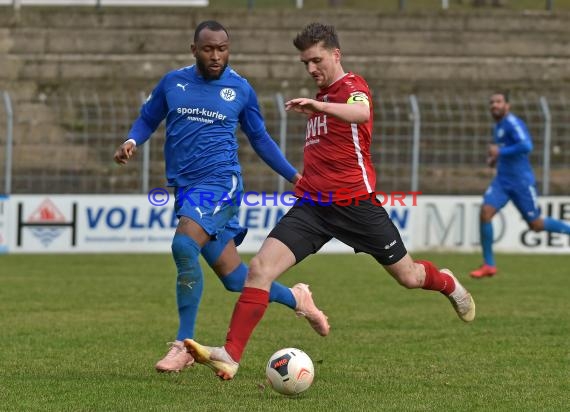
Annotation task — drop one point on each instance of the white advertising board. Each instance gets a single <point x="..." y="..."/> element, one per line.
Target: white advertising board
<point x="452" y="223"/>
<point x="3" y="224"/>
<point x="130" y="223"/>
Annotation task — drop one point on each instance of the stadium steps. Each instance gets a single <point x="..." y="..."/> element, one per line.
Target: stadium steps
<point x="274" y="73"/>
<point x="46" y="51"/>
<point x="360" y="42"/>
<point x="170" y="17"/>
<point x="61" y="47"/>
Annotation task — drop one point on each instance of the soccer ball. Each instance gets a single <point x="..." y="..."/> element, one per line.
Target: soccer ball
<point x="290" y="371"/>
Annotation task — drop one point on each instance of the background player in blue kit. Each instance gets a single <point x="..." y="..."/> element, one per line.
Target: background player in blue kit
<point x="514" y="181"/>
<point x="203" y="105"/>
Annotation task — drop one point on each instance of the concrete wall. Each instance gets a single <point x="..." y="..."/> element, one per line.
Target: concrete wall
<point x="61" y="47"/>
<point x="126" y="50"/>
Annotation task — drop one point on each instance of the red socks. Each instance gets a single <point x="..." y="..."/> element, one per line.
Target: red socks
<point x="248" y="311"/>
<point x="436" y="280"/>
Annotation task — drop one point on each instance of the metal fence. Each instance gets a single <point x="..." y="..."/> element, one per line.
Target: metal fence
<point x="432" y="143"/>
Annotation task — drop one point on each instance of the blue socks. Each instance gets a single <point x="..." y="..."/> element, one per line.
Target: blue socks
<point x="278" y="293"/>
<point x="556" y="226"/>
<point x="234" y="281"/>
<point x="189" y="283"/>
<point x="281" y="294"/>
<point x="486" y="232"/>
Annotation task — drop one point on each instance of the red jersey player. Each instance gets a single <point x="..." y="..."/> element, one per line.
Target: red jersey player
<point x="337" y="153"/>
<point x="336" y="159"/>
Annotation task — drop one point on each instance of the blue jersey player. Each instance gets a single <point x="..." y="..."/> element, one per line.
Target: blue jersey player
<point x="514" y="181"/>
<point x="203" y="104"/>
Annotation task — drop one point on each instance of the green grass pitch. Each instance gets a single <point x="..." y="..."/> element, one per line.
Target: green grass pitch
<point x="82" y="333"/>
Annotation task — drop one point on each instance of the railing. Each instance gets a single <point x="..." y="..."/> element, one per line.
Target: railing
<point x="7" y="142"/>
<point x="432" y="143"/>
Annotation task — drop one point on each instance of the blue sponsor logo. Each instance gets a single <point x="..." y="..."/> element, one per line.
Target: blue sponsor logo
<point x="400" y="217"/>
<point x="259" y="217"/>
<point x="132" y="218"/>
<point x="256" y="217"/>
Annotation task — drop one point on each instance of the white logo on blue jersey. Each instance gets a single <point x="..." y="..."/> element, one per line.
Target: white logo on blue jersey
<point x="182" y="86"/>
<point x="228" y="94"/>
<point x="500" y="133"/>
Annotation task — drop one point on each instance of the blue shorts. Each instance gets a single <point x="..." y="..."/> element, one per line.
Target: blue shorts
<point x="524" y="198"/>
<point x="214" y="205"/>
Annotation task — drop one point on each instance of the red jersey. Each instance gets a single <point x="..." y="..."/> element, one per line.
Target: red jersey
<point x="337" y="154"/>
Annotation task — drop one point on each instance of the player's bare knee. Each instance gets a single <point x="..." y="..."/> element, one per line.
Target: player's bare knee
<point x="409" y="281"/>
<point x="486" y="214"/>
<point x="257" y="269"/>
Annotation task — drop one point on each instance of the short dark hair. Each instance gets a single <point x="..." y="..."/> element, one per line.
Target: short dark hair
<point x="209" y="24"/>
<point x="505" y="93"/>
<point x="315" y="33"/>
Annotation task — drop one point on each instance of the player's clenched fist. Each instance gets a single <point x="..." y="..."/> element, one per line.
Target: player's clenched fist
<point x="125" y="152"/>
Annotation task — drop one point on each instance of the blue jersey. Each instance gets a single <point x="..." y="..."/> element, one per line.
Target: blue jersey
<point x="515" y="145"/>
<point x="201" y="121"/>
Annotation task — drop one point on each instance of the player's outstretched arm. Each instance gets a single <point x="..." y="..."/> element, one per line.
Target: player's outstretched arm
<point x="124" y="152"/>
<point x="355" y="112"/>
<point x="153" y="111"/>
<point x="253" y="125"/>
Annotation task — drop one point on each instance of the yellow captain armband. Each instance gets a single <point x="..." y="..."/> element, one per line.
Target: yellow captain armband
<point x="358" y="97"/>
